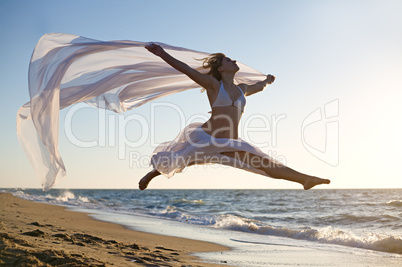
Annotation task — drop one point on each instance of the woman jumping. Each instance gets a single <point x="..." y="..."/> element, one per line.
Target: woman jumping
<point x="217" y="140"/>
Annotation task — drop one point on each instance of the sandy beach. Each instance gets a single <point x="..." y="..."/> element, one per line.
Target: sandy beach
<point x="36" y="234"/>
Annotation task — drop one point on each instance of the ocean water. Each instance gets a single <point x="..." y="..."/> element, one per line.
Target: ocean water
<point x="364" y="220"/>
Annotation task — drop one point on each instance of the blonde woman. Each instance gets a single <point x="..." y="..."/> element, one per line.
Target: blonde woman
<point x="217" y="140"/>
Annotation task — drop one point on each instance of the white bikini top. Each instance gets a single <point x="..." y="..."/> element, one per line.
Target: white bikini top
<point x="223" y="99"/>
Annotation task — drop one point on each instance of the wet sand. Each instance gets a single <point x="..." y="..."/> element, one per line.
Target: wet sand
<point x="37" y="234"/>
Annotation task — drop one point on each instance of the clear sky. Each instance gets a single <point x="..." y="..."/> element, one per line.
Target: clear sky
<point x="334" y="110"/>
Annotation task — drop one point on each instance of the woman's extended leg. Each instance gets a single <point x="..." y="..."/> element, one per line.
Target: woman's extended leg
<point x="143" y="184"/>
<point x="276" y="170"/>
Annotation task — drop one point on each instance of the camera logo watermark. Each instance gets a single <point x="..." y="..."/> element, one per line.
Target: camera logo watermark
<point x="327" y="119"/>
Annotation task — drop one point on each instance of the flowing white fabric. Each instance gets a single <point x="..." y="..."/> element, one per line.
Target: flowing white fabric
<point x="117" y="75"/>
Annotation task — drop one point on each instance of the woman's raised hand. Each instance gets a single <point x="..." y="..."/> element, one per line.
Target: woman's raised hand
<point x="270" y="78"/>
<point x="155" y="49"/>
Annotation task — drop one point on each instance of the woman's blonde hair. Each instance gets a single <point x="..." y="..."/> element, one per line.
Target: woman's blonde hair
<point x="213" y="62"/>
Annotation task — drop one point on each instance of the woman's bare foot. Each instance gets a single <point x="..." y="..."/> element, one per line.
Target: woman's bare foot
<point x="143" y="184"/>
<point x="313" y="181"/>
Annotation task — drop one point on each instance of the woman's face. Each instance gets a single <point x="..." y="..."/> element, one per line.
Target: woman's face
<point x="229" y="65"/>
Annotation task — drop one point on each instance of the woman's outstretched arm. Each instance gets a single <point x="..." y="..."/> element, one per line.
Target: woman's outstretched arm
<point x="257" y="87"/>
<point x="206" y="81"/>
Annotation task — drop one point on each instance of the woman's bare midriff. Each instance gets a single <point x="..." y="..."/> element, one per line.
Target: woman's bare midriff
<point x="224" y="122"/>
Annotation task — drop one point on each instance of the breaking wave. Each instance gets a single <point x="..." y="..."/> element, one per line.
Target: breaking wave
<point x="328" y="235"/>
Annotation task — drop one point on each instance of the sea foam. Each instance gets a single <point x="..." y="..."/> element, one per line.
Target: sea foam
<point x="328" y="235"/>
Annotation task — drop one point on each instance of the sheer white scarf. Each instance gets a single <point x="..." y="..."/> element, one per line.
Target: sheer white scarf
<point x="66" y="69"/>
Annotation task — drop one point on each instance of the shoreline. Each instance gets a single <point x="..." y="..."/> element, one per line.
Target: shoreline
<point x="34" y="233"/>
